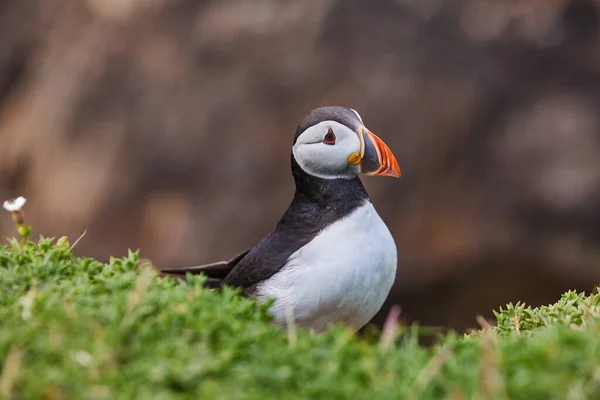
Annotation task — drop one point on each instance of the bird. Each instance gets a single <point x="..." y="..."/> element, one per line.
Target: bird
<point x="330" y="259"/>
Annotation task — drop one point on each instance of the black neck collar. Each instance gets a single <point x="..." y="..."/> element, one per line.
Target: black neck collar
<point x="344" y="194"/>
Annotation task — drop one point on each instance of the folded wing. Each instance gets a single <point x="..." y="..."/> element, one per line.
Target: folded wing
<point x="215" y="272"/>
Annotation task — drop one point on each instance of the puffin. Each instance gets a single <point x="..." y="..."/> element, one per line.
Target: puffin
<point x="330" y="259"/>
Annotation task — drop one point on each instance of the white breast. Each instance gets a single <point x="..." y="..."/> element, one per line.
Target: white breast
<point x="343" y="275"/>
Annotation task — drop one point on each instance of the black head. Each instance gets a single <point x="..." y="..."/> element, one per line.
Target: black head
<point x="343" y="115"/>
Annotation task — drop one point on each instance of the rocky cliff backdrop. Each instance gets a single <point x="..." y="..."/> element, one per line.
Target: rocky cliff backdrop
<point x="166" y="125"/>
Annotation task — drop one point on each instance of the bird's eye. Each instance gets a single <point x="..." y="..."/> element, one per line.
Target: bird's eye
<point x="329" y="137"/>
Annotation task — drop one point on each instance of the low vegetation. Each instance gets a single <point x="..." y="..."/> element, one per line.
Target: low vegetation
<point x="73" y="328"/>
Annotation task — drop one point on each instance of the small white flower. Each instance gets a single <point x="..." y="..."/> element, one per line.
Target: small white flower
<point x="26" y="302"/>
<point x="14" y="205"/>
<point x="83" y="358"/>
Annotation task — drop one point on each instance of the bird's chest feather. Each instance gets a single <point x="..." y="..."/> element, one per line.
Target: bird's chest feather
<point x="343" y="275"/>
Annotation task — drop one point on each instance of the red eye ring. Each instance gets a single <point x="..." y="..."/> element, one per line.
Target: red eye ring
<point x="329" y="137"/>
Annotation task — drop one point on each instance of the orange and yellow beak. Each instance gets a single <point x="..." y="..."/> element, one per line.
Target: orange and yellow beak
<point x="375" y="157"/>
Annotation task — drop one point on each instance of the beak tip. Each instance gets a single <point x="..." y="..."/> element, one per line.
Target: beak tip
<point x="394" y="173"/>
<point x="397" y="171"/>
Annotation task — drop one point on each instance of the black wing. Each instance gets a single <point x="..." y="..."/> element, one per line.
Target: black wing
<point x="257" y="264"/>
<point x="270" y="254"/>
<point x="215" y="271"/>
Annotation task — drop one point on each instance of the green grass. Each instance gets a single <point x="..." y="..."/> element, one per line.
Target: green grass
<point x="74" y="328"/>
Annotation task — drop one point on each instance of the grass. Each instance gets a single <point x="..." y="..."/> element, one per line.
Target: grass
<point x="75" y="328"/>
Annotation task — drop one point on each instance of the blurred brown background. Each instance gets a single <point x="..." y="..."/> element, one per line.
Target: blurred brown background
<point x="166" y="125"/>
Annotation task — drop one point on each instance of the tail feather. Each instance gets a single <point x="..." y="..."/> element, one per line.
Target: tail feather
<point x="215" y="272"/>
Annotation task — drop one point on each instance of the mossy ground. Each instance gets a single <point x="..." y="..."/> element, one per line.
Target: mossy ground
<point x="74" y="328"/>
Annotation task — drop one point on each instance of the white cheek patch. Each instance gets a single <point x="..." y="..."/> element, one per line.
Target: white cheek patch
<point x="316" y="161"/>
<point x="323" y="160"/>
